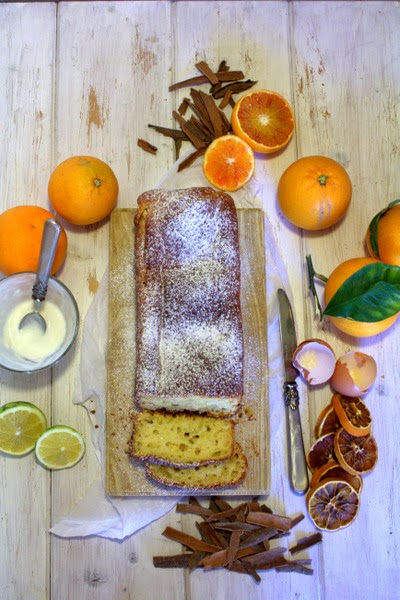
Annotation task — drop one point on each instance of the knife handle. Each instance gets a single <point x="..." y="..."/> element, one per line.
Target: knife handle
<point x="297" y="461"/>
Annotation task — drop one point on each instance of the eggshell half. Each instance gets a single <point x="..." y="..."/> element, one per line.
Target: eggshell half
<point x="315" y="360"/>
<point x="354" y="374"/>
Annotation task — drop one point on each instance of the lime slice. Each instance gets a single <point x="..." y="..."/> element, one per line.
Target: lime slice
<point x="21" y="424"/>
<point x="59" y="447"/>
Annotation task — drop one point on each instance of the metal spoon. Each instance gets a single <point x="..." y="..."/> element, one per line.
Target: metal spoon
<point x="51" y="234"/>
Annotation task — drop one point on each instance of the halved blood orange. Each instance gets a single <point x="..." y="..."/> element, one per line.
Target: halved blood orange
<point x="327" y="422"/>
<point x="353" y="414"/>
<point x="228" y="163"/>
<point x="356" y="454"/>
<point x="264" y="119"/>
<point x="332" y="504"/>
<point x="332" y="469"/>
<point x="321" y="452"/>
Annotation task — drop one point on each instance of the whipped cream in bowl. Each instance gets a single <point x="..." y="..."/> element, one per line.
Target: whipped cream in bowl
<point x="29" y="349"/>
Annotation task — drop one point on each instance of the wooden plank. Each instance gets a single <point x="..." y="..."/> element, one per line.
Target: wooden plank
<point x="126" y="478"/>
<point x="255" y="36"/>
<point x="25" y="154"/>
<point x="347" y="81"/>
<point x="112" y="61"/>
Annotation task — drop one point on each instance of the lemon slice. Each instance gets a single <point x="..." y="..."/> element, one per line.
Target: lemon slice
<point x="59" y="447"/>
<point x="21" y="424"/>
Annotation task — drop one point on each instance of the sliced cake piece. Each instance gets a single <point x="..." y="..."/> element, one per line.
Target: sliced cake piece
<point x="228" y="473"/>
<point x="181" y="439"/>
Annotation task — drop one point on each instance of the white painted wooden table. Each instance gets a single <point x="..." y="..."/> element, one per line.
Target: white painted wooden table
<point x="87" y="78"/>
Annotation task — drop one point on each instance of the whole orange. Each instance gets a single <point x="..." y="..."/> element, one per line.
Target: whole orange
<point x="314" y="192"/>
<point x="335" y="280"/>
<point x="21" y="230"/>
<point x="83" y="190"/>
<point x="388" y="237"/>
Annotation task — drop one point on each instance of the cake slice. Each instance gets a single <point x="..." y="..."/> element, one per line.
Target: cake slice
<point x="189" y="337"/>
<point x="228" y="473"/>
<point x="181" y="439"/>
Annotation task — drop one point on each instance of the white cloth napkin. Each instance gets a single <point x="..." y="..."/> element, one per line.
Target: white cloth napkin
<point x="117" y="518"/>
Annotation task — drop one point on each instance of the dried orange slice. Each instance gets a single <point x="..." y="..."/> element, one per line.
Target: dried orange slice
<point x="321" y="452"/>
<point x="327" y="422"/>
<point x="264" y="119"/>
<point x="228" y="163"/>
<point x="333" y="504"/>
<point x="353" y="414"/>
<point x="356" y="454"/>
<point x="332" y="469"/>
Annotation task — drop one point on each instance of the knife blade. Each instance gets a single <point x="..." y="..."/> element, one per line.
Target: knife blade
<point x="298" y="474"/>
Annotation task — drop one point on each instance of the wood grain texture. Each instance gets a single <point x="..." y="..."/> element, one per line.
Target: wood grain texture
<point x="125" y="477"/>
<point x="347" y="82"/>
<point x="87" y="77"/>
<point x="25" y="152"/>
<point x="112" y="58"/>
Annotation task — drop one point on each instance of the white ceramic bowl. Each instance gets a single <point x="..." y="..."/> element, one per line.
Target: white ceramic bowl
<point x="17" y="288"/>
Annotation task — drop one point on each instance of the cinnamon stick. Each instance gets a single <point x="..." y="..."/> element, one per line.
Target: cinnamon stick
<point x="236" y="88"/>
<point x="269" y="520"/>
<point x="194" y="509"/>
<point x="205" y="69"/>
<point x="188" y="540"/>
<point x="189" y="131"/>
<point x="220" y="558"/>
<point x="225" y="100"/>
<point x="145" y="145"/>
<point x="167" y="131"/>
<point x="265" y="560"/>
<point x="191" y="158"/>
<point x="233" y="547"/>
<point x="180" y="561"/>
<point x="222" y="76"/>
<point x="306" y="542"/>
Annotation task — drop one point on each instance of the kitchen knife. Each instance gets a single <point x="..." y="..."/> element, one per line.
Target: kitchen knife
<point x="297" y="461"/>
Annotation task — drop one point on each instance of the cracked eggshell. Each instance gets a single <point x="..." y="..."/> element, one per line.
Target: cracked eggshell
<point x="315" y="360"/>
<point x="354" y="374"/>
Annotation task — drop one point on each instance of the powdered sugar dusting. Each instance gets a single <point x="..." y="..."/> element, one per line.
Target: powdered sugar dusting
<point x="189" y="328"/>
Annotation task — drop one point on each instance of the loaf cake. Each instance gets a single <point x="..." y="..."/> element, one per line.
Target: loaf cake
<point x="181" y="439"/>
<point x="227" y="473"/>
<point x="189" y="337"/>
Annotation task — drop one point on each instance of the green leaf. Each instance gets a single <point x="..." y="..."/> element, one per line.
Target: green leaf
<point x="369" y="295"/>
<point x="373" y="227"/>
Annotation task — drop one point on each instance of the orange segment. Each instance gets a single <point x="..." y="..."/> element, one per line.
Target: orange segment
<point x="264" y="119"/>
<point x="228" y="163"/>
<point x="356" y="454"/>
<point x="333" y="504"/>
<point x="332" y="469"/>
<point x="327" y="422"/>
<point x="353" y="414"/>
<point x="321" y="451"/>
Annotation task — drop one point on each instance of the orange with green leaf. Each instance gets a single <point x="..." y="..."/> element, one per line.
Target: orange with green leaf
<point x="362" y="295"/>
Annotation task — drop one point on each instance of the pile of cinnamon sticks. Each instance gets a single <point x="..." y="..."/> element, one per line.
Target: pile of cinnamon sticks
<point x="239" y="538"/>
<point x="208" y="120"/>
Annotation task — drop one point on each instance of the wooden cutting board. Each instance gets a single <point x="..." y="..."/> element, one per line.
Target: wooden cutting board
<point x="125" y="477"/>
